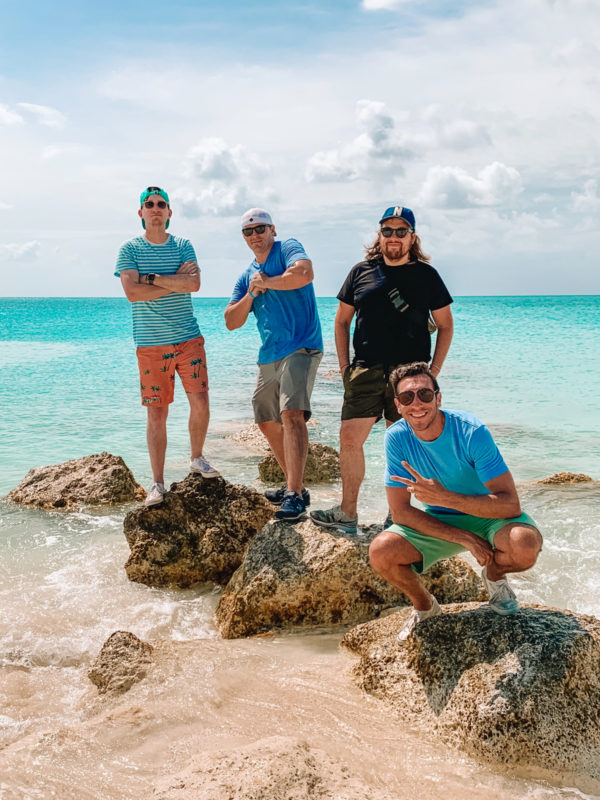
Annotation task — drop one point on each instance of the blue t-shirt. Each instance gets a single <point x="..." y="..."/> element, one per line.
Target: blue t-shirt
<point x="286" y="319"/>
<point x="169" y="319"/>
<point x="463" y="458"/>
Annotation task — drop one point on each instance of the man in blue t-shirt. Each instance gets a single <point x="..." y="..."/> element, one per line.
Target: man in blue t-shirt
<point x="449" y="462"/>
<point x="277" y="287"/>
<point x="158" y="272"/>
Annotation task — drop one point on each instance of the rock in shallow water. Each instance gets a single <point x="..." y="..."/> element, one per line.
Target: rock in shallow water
<point x="123" y="661"/>
<point x="303" y="575"/>
<point x="197" y="534"/>
<point x="519" y="690"/>
<point x="101" y="479"/>
<point x="565" y="477"/>
<point x="322" y="465"/>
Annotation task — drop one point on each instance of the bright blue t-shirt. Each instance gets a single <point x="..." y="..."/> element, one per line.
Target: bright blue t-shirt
<point x="169" y="319"/>
<point x="463" y="457"/>
<point x="286" y="319"/>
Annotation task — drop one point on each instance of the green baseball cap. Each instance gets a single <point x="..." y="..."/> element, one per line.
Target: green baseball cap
<point x="153" y="190"/>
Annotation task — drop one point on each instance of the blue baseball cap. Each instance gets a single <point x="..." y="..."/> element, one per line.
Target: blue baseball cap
<point x="153" y="190"/>
<point x="398" y="212"/>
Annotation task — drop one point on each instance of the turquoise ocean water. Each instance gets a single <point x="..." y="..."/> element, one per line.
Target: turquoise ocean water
<point x="527" y="366"/>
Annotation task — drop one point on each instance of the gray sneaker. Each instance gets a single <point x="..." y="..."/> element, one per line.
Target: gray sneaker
<point x="416" y="617"/>
<point x="156" y="495"/>
<point x="502" y="598"/>
<point x="335" y="518"/>
<point x="202" y="466"/>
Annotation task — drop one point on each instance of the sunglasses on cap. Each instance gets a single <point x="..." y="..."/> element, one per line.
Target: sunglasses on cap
<point x="151" y="204"/>
<point x="256" y="229"/>
<point x="425" y="395"/>
<point x="400" y="232"/>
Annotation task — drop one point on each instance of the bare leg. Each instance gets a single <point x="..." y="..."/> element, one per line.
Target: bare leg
<point x="295" y="446"/>
<point x="156" y="436"/>
<point x="274" y="434"/>
<point x="353" y="434"/>
<point x="198" y="424"/>
<point x="391" y="556"/>
<point x="517" y="547"/>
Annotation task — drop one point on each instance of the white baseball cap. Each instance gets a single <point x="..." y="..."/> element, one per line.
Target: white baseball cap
<point x="256" y="216"/>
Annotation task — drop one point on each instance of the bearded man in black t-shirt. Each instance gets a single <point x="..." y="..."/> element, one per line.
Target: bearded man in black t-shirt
<point x="393" y="293"/>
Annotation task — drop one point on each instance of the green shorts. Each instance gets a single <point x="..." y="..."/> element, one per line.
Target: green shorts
<point x="433" y="549"/>
<point x="368" y="393"/>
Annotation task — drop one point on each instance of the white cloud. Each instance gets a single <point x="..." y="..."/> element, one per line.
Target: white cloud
<point x="230" y="179"/>
<point x="28" y="251"/>
<point x="8" y="117"/>
<point x="586" y="203"/>
<point x="453" y="187"/>
<point x="372" y="154"/>
<point x="383" y="5"/>
<point x="56" y="150"/>
<point x="457" y="133"/>
<point x="45" y="114"/>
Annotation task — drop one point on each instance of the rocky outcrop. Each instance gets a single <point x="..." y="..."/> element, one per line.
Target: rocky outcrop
<point x="303" y="575"/>
<point x="197" y="534"/>
<point x="521" y="690"/>
<point x="560" y="478"/>
<point x="322" y="465"/>
<point x="101" y="479"/>
<point x="252" y="438"/>
<point x="278" y="768"/>
<point x="123" y="661"/>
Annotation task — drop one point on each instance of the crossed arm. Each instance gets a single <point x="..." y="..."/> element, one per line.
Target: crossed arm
<point x="186" y="279"/>
<point x="295" y="277"/>
<point x="502" y="502"/>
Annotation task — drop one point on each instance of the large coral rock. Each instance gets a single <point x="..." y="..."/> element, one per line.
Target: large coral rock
<point x="197" y="534"/>
<point x="122" y="661"/>
<point x="303" y="575"/>
<point x="278" y="768"/>
<point x="101" y="479"/>
<point x="522" y="690"/>
<point x="560" y="478"/>
<point x="322" y="464"/>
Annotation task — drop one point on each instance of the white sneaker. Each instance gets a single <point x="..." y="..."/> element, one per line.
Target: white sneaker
<point x="416" y="617"/>
<point x="202" y="466"/>
<point x="502" y="598"/>
<point x="156" y="495"/>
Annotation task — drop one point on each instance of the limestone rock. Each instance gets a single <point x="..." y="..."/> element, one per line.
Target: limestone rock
<point x="303" y="575"/>
<point x="101" y="479"/>
<point x="278" y="768"/>
<point x="322" y="464"/>
<point x="520" y="690"/>
<point x="565" y="477"/>
<point x="123" y="661"/>
<point x="197" y="534"/>
<point x="252" y="438"/>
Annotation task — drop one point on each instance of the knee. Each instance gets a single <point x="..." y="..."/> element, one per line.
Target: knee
<point x="349" y="437"/>
<point x="527" y="543"/>
<point x="379" y="553"/>
<point x="292" y="418"/>
<point x="157" y="414"/>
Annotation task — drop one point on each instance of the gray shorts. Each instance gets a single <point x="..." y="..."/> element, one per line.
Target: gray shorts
<point x="286" y="385"/>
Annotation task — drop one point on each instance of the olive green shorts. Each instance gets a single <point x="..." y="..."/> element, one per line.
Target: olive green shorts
<point x="368" y="393"/>
<point x="433" y="549"/>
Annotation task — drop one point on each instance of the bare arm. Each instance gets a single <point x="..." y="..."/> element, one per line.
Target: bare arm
<point x="405" y="514"/>
<point x="236" y="313"/>
<point x="295" y="277"/>
<point x="186" y="279"/>
<point x="343" y="321"/>
<point x="445" y="325"/>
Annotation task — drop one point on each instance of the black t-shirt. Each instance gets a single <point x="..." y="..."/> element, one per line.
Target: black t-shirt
<point x="383" y="334"/>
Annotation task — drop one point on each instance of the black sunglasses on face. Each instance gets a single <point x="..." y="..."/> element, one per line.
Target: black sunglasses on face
<point x="425" y="396"/>
<point x="257" y="229"/>
<point x="400" y="232"/>
<point x="159" y="203"/>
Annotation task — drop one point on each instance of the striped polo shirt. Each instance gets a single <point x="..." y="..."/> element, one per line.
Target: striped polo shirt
<point x="169" y="319"/>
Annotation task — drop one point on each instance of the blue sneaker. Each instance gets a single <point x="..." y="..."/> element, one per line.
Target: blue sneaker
<point x="292" y="507"/>
<point x="502" y="598"/>
<point x="276" y="496"/>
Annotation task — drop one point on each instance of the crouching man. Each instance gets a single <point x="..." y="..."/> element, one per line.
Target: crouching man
<point x="448" y="461"/>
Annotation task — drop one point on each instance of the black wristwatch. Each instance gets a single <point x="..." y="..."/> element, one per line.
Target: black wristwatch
<point x="151" y="276"/>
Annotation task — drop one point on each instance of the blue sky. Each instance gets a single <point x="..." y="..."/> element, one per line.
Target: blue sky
<point x="482" y="117"/>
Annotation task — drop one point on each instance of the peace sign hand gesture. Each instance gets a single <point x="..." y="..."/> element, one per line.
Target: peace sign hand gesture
<point x="426" y="490"/>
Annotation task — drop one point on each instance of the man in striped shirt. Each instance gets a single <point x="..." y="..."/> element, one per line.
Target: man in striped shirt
<point x="158" y="272"/>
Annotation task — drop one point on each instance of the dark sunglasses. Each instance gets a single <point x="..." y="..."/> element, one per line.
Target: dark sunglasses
<point x="159" y="203"/>
<point x="400" y="232"/>
<point x="408" y="397"/>
<point x="257" y="229"/>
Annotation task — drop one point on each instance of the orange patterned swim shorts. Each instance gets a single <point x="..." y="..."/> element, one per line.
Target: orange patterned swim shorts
<point x="158" y="365"/>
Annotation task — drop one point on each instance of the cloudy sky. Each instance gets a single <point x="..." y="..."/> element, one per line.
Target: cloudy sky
<point x="483" y="117"/>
